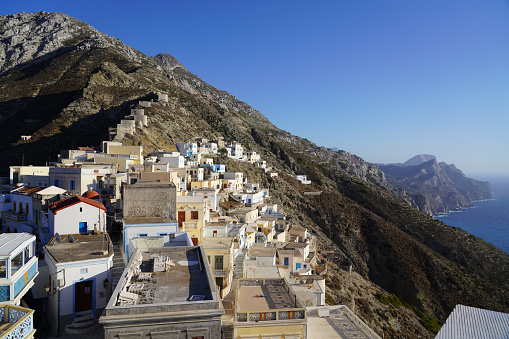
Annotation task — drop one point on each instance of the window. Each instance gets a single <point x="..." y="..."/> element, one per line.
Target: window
<point x="218" y="262"/>
<point x="3" y="269"/>
<point x="27" y="253"/>
<point x="208" y="258"/>
<point x="83" y="270"/>
<point x="57" y="183"/>
<point x="26" y="208"/>
<point x="172" y="235"/>
<point x="16" y="263"/>
<point x="162" y="234"/>
<point x="81" y="209"/>
<point x="142" y="234"/>
<point x="72" y="185"/>
<point x="194" y="215"/>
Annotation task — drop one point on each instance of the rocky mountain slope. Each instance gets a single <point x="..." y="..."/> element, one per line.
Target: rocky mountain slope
<point x="411" y="270"/>
<point x="436" y="186"/>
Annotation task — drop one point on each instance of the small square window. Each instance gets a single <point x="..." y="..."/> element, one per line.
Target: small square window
<point x="142" y="234"/>
<point x="83" y="270"/>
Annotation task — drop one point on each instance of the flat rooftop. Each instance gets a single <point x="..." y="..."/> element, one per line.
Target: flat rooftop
<point x="83" y="247"/>
<point x="259" y="298"/>
<point x="186" y="279"/>
<point x="217" y="242"/>
<point x="337" y="322"/>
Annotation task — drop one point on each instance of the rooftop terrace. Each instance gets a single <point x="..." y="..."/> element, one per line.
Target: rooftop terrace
<point x="77" y="247"/>
<point x="164" y="276"/>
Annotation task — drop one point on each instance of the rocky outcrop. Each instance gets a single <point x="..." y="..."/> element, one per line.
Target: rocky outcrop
<point x="30" y="37"/>
<point x="435" y="187"/>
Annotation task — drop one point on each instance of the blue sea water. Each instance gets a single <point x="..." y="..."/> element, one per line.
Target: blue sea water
<point x="489" y="219"/>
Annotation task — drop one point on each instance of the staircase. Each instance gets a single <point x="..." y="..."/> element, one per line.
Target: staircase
<point x="118" y="262"/>
<point x="238" y="272"/>
<point x="83" y="322"/>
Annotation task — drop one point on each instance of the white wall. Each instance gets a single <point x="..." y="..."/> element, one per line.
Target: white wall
<point x="61" y="299"/>
<point x="66" y="221"/>
<point x="151" y="230"/>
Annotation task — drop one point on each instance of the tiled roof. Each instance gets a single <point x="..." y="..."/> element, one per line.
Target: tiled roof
<point x="471" y="322"/>
<point x="26" y="190"/>
<point x="60" y="205"/>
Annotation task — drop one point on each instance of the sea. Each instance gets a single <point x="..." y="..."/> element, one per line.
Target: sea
<point x="487" y="219"/>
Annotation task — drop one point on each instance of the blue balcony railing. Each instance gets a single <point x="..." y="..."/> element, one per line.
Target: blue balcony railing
<point x="17" y="322"/>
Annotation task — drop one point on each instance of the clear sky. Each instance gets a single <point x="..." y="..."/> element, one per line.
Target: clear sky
<point x="385" y="80"/>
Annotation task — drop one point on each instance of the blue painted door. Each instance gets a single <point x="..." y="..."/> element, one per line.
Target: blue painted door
<point x="83" y="227"/>
<point x="297" y="266"/>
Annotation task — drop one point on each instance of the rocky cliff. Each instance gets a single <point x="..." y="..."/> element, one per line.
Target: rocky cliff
<point x="75" y="83"/>
<point x="435" y="186"/>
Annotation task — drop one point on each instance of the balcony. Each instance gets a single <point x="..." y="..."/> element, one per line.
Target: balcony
<point x="190" y="225"/>
<point x="220" y="273"/>
<point x="14" y="216"/>
<point x="15" y="287"/>
<point x="264" y="315"/>
<point x="16" y="322"/>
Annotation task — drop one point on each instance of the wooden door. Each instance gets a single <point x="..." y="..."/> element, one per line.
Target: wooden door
<point x="83" y="296"/>
<point x="181" y="219"/>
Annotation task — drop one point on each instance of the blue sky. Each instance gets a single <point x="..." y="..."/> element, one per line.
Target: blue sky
<point x="385" y="80"/>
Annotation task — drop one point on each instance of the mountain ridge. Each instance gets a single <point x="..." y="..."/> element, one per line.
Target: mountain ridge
<point x="439" y="187"/>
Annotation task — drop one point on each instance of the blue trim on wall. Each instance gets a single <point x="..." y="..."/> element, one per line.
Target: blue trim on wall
<point x="21" y="283"/>
<point x="74" y="297"/>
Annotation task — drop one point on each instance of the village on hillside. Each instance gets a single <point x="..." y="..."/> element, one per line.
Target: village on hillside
<point x="169" y="245"/>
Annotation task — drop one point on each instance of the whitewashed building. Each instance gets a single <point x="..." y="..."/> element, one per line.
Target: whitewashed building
<point x="73" y="215"/>
<point x="80" y="279"/>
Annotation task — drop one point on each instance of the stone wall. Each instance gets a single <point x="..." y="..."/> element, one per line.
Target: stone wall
<point x="150" y="199"/>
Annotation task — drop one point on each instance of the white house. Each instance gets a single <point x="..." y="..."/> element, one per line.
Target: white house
<point x="211" y="197"/>
<point x="146" y="227"/>
<point x="18" y="266"/>
<point x="303" y="179"/>
<point x="250" y="197"/>
<point x="209" y="147"/>
<point x="76" y="214"/>
<point x="174" y="161"/>
<point x="78" y="180"/>
<point x="17" y="210"/>
<point x="235" y="150"/>
<point x="187" y="148"/>
<point x="261" y="256"/>
<point x="80" y="279"/>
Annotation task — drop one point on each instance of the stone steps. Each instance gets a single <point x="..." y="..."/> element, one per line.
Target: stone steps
<point x="83" y="323"/>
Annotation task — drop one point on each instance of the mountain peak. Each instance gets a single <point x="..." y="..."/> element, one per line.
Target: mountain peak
<point x="419" y="159"/>
<point x="167" y="61"/>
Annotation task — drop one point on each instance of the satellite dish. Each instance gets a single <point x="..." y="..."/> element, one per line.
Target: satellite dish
<point x="57" y="236"/>
<point x="71" y="239"/>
